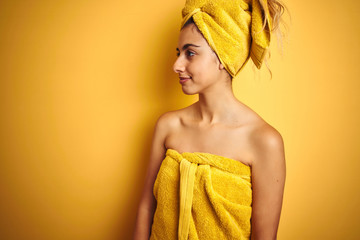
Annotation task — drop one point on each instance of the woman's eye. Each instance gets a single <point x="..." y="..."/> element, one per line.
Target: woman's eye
<point x="189" y="53"/>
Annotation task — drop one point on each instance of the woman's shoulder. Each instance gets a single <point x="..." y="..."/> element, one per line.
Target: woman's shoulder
<point x="265" y="140"/>
<point x="266" y="134"/>
<point x="173" y="118"/>
<point x="262" y="137"/>
<point x="261" y="130"/>
<point x="259" y="127"/>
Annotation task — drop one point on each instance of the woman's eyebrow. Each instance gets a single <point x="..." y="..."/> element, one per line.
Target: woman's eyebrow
<point x="186" y="46"/>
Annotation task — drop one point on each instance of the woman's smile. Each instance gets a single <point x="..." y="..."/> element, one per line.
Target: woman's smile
<point x="184" y="79"/>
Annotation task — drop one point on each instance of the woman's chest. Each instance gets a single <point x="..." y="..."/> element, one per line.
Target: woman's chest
<point x="233" y="143"/>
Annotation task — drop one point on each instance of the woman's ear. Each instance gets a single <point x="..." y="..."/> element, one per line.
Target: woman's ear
<point x="221" y="67"/>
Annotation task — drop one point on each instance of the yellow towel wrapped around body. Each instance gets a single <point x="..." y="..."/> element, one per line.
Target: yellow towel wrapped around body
<point x="202" y="196"/>
<point x="233" y="29"/>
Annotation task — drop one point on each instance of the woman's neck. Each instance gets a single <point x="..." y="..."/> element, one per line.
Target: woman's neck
<point x="216" y="105"/>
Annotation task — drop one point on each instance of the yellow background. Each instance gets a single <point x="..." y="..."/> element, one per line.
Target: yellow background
<point x="83" y="82"/>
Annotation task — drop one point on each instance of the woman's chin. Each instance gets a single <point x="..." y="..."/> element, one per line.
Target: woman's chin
<point x="188" y="92"/>
<point x="189" y="89"/>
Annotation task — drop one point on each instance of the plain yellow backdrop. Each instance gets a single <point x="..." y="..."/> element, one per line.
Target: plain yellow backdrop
<point x="82" y="84"/>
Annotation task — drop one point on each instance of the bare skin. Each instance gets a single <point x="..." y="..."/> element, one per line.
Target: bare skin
<point x="220" y="124"/>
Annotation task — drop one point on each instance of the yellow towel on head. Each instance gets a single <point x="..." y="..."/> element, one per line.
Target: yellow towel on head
<point x="233" y="29"/>
<point x="202" y="196"/>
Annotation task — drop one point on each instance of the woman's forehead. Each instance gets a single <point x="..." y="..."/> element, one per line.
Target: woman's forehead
<point x="191" y="29"/>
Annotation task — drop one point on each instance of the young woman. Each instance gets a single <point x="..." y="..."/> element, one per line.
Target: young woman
<point x="217" y="169"/>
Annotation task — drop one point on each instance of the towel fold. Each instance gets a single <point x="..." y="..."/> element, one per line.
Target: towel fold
<point x="233" y="29"/>
<point x="202" y="196"/>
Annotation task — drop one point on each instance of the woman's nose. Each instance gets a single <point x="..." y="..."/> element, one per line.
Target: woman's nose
<point x="178" y="65"/>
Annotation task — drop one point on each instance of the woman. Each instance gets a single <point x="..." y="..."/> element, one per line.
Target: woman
<point x="217" y="169"/>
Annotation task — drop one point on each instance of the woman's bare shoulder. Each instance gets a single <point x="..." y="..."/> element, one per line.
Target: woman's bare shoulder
<point x="263" y="138"/>
<point x="172" y="119"/>
<point x="259" y="128"/>
<point x="266" y="140"/>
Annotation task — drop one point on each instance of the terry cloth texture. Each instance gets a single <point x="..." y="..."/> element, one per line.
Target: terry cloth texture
<point x="202" y="196"/>
<point x="233" y="29"/>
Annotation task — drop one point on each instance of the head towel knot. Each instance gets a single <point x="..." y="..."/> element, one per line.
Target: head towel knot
<point x="233" y="29"/>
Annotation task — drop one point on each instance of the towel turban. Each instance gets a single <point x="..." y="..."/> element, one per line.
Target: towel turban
<point x="233" y="29"/>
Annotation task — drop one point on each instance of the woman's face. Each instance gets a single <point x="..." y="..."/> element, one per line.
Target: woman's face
<point x="196" y="61"/>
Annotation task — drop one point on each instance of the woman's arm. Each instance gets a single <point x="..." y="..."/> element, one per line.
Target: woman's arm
<point x="147" y="203"/>
<point x="268" y="181"/>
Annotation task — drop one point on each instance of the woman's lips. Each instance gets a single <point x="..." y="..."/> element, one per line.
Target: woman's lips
<point x="183" y="80"/>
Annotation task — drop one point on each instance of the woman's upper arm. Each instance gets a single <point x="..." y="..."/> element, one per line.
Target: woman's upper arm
<point x="268" y="181"/>
<point x="157" y="153"/>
